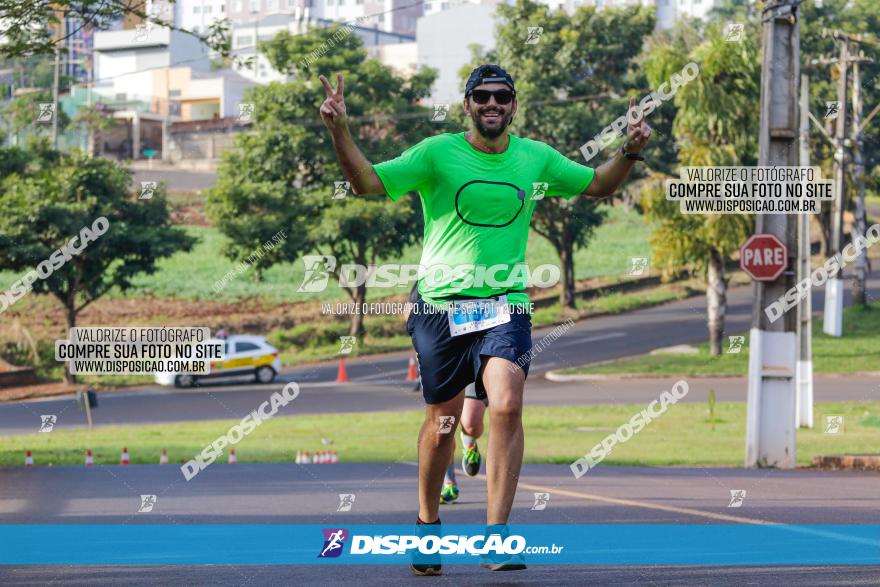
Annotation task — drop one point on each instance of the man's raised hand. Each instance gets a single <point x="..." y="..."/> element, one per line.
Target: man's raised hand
<point x="637" y="134"/>
<point x="333" y="109"/>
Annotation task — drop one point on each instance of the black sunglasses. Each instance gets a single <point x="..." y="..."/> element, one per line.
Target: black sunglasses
<point x="501" y="96"/>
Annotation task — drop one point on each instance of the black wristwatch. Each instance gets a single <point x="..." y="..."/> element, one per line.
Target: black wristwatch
<point x="631" y="156"/>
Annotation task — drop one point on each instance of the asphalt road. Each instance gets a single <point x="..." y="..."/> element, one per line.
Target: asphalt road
<point x="378" y="383"/>
<point x="294" y="494"/>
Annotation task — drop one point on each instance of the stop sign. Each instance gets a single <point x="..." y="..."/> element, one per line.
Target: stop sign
<point x="764" y="257"/>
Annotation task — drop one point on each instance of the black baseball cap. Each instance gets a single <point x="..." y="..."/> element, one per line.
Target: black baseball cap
<point x="486" y="74"/>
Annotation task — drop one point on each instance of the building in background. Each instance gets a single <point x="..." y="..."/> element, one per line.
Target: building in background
<point x="198" y="15"/>
<point x="444" y="40"/>
<point x="668" y="11"/>
<point x="259" y="70"/>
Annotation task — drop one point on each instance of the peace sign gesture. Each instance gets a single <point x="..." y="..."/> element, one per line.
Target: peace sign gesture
<point x="638" y="133"/>
<point x="333" y="109"/>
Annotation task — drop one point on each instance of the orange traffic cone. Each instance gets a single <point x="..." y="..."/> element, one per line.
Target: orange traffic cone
<point x="334" y="457"/>
<point x="163" y="458"/>
<point x="412" y="373"/>
<point x="315" y="458"/>
<point x="124" y="459"/>
<point x="28" y="459"/>
<point x="341" y="375"/>
<point x="89" y="459"/>
<point x="232" y="458"/>
<point x="307" y="458"/>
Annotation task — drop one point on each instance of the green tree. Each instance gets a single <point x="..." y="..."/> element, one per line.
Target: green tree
<point x="22" y="113"/>
<point x="47" y="198"/>
<point x="715" y="125"/>
<point x="571" y="83"/>
<point x="29" y="28"/>
<point x="96" y="119"/>
<point x="283" y="174"/>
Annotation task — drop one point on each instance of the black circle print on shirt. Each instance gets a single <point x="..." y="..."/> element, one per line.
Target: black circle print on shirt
<point x="490" y="204"/>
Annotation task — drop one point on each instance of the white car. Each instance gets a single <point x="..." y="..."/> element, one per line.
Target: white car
<point x="243" y="355"/>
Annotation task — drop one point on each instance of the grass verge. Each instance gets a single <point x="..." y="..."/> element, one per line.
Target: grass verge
<point x="857" y="350"/>
<point x="683" y="436"/>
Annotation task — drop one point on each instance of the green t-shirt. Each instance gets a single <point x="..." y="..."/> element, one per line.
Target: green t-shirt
<point x="478" y="208"/>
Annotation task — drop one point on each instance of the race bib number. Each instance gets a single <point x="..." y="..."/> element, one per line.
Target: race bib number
<point x="474" y="315"/>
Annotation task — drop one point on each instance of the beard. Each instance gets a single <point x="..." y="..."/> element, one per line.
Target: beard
<point x="496" y="129"/>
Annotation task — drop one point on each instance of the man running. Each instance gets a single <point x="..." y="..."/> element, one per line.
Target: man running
<point x="471" y="430"/>
<point x="478" y="190"/>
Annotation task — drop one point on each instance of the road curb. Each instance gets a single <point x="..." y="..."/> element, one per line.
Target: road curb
<point x="557" y="376"/>
<point x="848" y="462"/>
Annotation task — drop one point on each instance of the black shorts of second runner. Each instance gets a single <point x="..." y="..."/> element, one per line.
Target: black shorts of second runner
<point x="470" y="392"/>
<point x="448" y="364"/>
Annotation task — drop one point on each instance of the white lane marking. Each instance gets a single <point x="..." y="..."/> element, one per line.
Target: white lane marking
<point x="590" y="339"/>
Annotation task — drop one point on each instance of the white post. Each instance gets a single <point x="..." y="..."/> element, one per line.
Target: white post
<point x="771" y="423"/>
<point x="804" y="370"/>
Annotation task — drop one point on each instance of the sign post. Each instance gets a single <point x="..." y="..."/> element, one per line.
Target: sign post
<point x="764" y="257"/>
<point x="771" y="421"/>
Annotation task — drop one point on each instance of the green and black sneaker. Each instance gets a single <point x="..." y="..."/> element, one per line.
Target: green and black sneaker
<point x="449" y="493"/>
<point x="470" y="462"/>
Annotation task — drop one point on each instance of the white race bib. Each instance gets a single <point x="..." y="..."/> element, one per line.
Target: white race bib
<point x="479" y="314"/>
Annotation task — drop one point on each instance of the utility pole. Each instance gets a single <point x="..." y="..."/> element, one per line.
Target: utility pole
<point x="55" y="90"/>
<point x="804" y="370"/>
<point x="833" y="318"/>
<point x="859" y="286"/>
<point x="771" y="422"/>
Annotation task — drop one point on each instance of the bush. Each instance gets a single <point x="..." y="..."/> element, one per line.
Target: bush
<point x="309" y="335"/>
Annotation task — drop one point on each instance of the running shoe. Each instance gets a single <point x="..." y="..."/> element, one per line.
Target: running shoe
<point x="449" y="493"/>
<point x="514" y="562"/>
<point x="495" y="561"/>
<point x="470" y="462"/>
<point x="426" y="564"/>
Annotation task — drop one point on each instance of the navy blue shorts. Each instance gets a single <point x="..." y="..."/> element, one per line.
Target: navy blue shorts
<point x="448" y="364"/>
